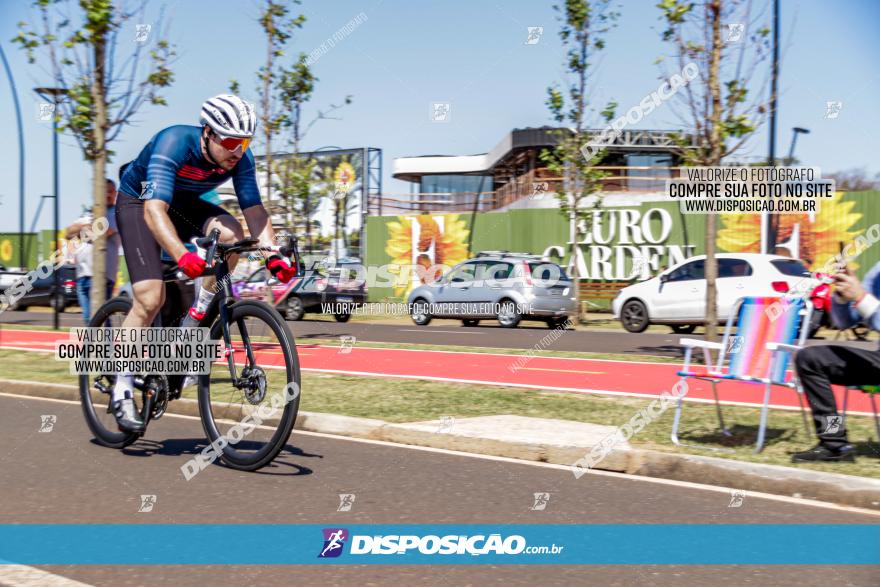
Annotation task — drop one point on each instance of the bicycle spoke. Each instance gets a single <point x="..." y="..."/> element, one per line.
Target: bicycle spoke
<point x="256" y="392"/>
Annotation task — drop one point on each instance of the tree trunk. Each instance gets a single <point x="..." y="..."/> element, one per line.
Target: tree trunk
<point x="336" y="231"/>
<point x="308" y="224"/>
<point x="715" y="150"/>
<point x="267" y="130"/>
<point x="572" y="236"/>
<point x="99" y="182"/>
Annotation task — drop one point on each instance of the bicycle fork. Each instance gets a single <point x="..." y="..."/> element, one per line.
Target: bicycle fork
<point x="225" y="319"/>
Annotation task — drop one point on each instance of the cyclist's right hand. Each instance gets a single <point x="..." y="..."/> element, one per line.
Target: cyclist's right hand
<point x="191" y="264"/>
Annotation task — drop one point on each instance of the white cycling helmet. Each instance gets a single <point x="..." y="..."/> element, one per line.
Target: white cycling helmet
<point x="230" y="116"/>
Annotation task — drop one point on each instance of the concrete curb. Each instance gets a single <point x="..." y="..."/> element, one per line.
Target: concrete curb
<point x="789" y="481"/>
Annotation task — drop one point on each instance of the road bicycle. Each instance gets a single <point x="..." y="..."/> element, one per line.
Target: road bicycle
<point x="259" y="362"/>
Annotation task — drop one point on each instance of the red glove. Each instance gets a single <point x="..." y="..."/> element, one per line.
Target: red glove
<point x="280" y="269"/>
<point x="191" y="264"/>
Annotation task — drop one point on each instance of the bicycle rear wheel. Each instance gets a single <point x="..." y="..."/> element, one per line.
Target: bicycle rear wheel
<point x="94" y="391"/>
<point x="248" y="409"/>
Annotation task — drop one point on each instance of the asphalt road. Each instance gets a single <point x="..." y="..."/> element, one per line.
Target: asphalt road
<point x="451" y="332"/>
<point x="62" y="477"/>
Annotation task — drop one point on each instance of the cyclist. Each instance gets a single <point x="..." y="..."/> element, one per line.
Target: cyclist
<point x="159" y="208"/>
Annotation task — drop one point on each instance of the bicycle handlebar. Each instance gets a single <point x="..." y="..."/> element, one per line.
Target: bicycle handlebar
<point x="208" y="247"/>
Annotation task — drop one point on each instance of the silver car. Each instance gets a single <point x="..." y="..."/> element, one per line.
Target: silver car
<point x="508" y="287"/>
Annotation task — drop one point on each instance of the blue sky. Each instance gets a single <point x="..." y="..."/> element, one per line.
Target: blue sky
<point x="472" y="54"/>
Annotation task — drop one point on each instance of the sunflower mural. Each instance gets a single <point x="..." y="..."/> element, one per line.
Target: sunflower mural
<point x="814" y="238"/>
<point x="424" y="240"/>
<point x="344" y="176"/>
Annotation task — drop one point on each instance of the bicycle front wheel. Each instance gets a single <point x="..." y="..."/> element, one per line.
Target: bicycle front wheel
<point x="95" y="391"/>
<point x="249" y="401"/>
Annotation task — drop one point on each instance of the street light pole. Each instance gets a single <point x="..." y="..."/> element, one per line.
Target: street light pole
<point x="772" y="220"/>
<point x="21" y="261"/>
<point x="55" y="94"/>
<point x="795" y="132"/>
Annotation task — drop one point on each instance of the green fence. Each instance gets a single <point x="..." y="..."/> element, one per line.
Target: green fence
<point x="656" y="233"/>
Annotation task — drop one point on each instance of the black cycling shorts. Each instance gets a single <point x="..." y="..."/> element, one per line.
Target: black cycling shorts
<point x="143" y="255"/>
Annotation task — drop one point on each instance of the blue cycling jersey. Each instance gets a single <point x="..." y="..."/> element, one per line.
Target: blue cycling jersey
<point x="171" y="168"/>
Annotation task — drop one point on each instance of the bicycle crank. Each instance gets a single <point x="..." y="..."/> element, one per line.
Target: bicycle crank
<point x="156" y="387"/>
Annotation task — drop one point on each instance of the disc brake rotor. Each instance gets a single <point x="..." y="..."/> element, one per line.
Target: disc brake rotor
<point x="254" y="385"/>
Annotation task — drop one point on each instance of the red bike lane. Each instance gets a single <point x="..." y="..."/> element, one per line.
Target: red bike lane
<point x="556" y="374"/>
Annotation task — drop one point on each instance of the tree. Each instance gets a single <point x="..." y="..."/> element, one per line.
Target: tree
<point x="283" y="90"/>
<point x="105" y="86"/>
<point x="341" y="198"/>
<point x="294" y="87"/>
<point x="854" y="180"/>
<point x="585" y="24"/>
<point x="717" y="105"/>
<point x="297" y="198"/>
<point x="278" y="26"/>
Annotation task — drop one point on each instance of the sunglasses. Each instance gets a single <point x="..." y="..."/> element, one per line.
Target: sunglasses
<point x="232" y="144"/>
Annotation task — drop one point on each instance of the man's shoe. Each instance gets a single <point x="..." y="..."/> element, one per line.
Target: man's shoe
<point x="127" y="417"/>
<point x="821" y="453"/>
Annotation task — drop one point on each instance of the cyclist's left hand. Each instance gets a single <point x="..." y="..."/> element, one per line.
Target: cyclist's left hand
<point x="280" y="268"/>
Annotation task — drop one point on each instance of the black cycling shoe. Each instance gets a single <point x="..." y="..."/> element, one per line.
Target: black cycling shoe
<point x="127" y="417"/>
<point x="821" y="453"/>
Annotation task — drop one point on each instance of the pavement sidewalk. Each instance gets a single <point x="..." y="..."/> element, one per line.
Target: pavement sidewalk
<point x="555" y="441"/>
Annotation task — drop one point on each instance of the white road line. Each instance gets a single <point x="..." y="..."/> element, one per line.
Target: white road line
<point x="671" y="482"/>
<point x="24" y="576"/>
<point x="432" y="330"/>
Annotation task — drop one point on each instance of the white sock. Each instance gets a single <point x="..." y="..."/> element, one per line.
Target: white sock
<point x="124" y="383"/>
<point x="204" y="300"/>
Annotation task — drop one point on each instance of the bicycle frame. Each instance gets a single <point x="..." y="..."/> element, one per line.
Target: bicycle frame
<point x="219" y="306"/>
<point x="224" y="302"/>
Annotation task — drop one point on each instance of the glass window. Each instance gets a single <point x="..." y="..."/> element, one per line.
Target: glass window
<point x="463" y="273"/>
<point x="494" y="270"/>
<point x="442" y="184"/>
<point x="495" y="273"/>
<point x="733" y="268"/>
<point x="690" y="271"/>
<point x="640" y="179"/>
<point x="790" y="267"/>
<point x="544" y="271"/>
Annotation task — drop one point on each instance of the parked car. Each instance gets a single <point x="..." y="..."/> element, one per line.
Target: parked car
<point x="508" y="287"/>
<point x="41" y="291"/>
<point x="8" y="277"/>
<point x="337" y="285"/>
<point x="677" y="296"/>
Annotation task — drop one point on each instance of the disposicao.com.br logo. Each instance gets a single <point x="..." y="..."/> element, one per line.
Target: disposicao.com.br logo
<point x="335" y="539"/>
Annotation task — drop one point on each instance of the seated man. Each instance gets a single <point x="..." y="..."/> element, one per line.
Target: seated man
<point x="819" y="367"/>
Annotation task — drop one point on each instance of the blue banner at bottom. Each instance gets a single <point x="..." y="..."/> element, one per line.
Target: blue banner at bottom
<point x="584" y="544"/>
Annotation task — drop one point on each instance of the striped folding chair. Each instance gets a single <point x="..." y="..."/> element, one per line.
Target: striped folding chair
<point x="872" y="391"/>
<point x="760" y="353"/>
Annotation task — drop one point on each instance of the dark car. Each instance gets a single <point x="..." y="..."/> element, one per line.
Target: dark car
<point x="41" y="292"/>
<point x="336" y="285"/>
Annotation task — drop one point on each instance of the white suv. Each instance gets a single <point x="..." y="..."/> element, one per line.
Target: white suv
<point x="677" y="296"/>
